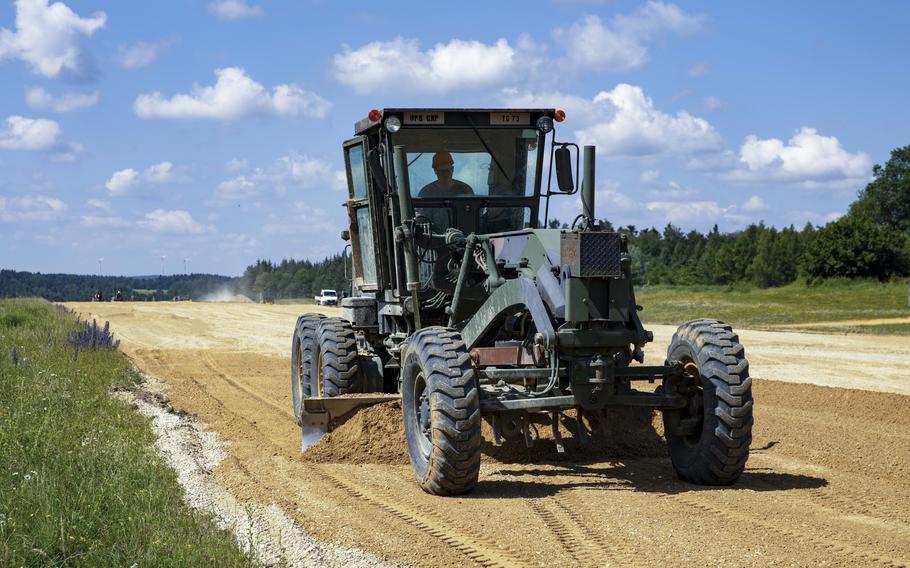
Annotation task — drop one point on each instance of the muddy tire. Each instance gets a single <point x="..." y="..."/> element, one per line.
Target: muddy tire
<point x="441" y="404"/>
<point x="303" y="353"/>
<point x="336" y="362"/>
<point x="709" y="439"/>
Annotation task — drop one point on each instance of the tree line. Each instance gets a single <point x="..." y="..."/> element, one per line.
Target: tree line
<point x="81" y="287"/>
<point x="871" y="241"/>
<point x="295" y="278"/>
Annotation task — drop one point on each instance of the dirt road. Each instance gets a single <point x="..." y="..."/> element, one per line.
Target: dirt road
<point x="828" y="481"/>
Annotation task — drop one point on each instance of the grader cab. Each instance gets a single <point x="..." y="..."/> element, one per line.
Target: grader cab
<point x="467" y="307"/>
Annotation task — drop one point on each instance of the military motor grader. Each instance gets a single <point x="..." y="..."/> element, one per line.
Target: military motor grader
<point x="467" y="307"/>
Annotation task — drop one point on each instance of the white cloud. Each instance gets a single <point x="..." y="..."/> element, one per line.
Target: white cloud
<point x="236" y="165"/>
<point x="176" y="221"/>
<point x="239" y="188"/>
<point x="621" y="44"/>
<point x="38" y="98"/>
<point x="101" y="204"/>
<point x="400" y="64"/>
<point x="138" y="54"/>
<point x="673" y="190"/>
<point x="755" y="204"/>
<point x="303" y="218"/>
<point x="698" y="70"/>
<point x="686" y="212"/>
<point x="298" y="170"/>
<point x="23" y="133"/>
<point x="103" y="221"/>
<point x="233" y="96"/>
<point x="808" y="159"/>
<point x="623" y="122"/>
<point x="159" y="173"/>
<point x="234" y="9"/>
<point x="649" y="176"/>
<point x="631" y="126"/>
<point x="49" y="38"/>
<point x="122" y="181"/>
<point x="714" y="103"/>
<point x="30" y="208"/>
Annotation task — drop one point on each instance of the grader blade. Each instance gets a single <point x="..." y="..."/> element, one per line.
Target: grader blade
<point x="322" y="413"/>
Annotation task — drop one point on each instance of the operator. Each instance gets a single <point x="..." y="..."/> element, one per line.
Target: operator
<point x="445" y="184"/>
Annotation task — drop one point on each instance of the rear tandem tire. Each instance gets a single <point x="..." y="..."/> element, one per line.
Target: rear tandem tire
<point x="717" y="451"/>
<point x="336" y="363"/>
<point x="441" y="405"/>
<point x="303" y="354"/>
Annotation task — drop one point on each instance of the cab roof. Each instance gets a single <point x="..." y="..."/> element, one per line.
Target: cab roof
<point x="454" y="117"/>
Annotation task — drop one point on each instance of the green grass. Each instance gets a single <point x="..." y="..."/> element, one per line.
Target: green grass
<point x="80" y="481"/>
<point x="756" y="307"/>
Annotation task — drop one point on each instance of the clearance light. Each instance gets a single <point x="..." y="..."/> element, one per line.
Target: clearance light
<point x="392" y="124"/>
<point x="374" y="115"/>
<point x="559" y="115"/>
<point x="545" y="124"/>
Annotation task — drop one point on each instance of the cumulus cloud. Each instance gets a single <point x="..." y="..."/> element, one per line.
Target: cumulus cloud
<point x="458" y="64"/>
<point x="38" y="98"/>
<point x="297" y="170"/>
<point x="631" y="126"/>
<point x="122" y="181"/>
<point x="621" y="44"/>
<point x="23" y="133"/>
<point x="30" y="208"/>
<point x="234" y="9"/>
<point x="808" y="158"/>
<point x="174" y="221"/>
<point x="755" y="204"/>
<point x="138" y="54"/>
<point x="623" y="122"/>
<point x="160" y="173"/>
<point x="234" y="95"/>
<point x="49" y="38"/>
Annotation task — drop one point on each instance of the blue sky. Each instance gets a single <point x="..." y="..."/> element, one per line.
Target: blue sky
<point x="212" y="130"/>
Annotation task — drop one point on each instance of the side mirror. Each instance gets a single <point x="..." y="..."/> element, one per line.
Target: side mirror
<point x="345" y="235"/>
<point x="564" y="176"/>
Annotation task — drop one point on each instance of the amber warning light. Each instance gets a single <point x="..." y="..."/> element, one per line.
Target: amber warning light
<point x="559" y="115"/>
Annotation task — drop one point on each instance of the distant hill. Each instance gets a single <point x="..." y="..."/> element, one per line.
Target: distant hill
<point x="81" y="287"/>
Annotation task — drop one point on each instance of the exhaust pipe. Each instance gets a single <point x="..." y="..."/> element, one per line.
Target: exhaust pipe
<point x="587" y="187"/>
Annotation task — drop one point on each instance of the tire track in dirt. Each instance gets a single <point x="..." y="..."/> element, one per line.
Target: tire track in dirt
<point x="829" y="544"/>
<point x="585" y="546"/>
<point x="481" y="549"/>
<point x="211" y="364"/>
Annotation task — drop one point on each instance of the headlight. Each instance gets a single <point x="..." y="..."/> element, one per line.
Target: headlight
<point x="392" y="124"/>
<point x="545" y="124"/>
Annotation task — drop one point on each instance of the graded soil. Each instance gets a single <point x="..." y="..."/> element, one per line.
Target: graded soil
<point x="828" y="481"/>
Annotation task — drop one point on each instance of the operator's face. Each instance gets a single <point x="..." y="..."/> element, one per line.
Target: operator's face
<point x="445" y="171"/>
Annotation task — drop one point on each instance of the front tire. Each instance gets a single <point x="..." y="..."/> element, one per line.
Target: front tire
<point x="709" y="439"/>
<point x="336" y="364"/>
<point x="303" y="353"/>
<point x="441" y="404"/>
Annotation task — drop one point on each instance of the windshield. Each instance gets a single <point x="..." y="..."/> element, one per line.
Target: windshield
<point x="465" y="162"/>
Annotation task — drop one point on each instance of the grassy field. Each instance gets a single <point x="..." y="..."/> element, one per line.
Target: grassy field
<point x="80" y="481"/>
<point x="793" y="304"/>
